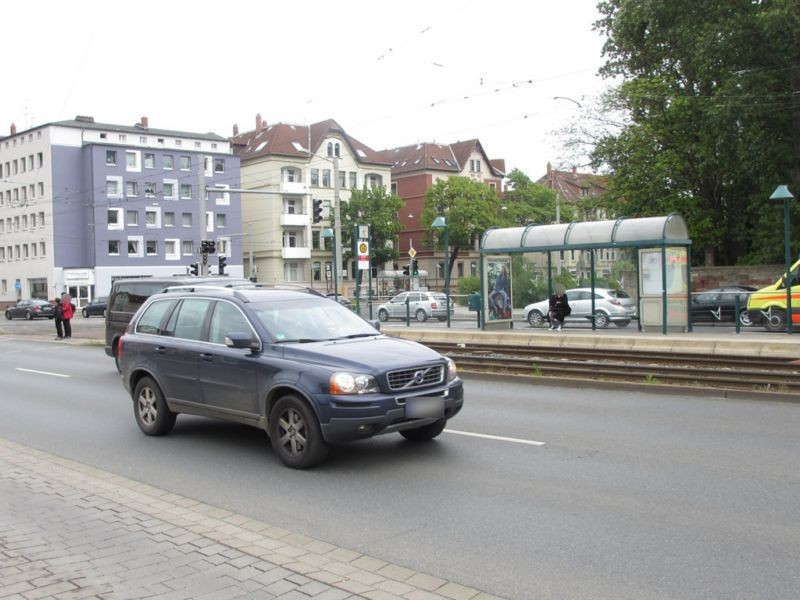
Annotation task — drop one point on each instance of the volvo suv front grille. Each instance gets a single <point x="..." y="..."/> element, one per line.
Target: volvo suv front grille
<point x="417" y="377"/>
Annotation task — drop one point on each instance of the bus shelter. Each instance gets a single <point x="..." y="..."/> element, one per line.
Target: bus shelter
<point x="661" y="244"/>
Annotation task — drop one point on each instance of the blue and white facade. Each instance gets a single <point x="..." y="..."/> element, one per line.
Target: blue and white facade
<point x="84" y="203"/>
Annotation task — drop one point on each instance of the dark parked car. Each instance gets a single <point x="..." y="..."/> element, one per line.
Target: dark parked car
<point x="31" y="309"/>
<point x="306" y="370"/>
<point x="95" y="308"/>
<point x="718" y="305"/>
<point x="127" y="295"/>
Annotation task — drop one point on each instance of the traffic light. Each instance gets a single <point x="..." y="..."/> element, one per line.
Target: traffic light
<point x="208" y="247"/>
<point x="222" y="261"/>
<point x="317" y="211"/>
<point x="414" y="268"/>
<point x="406" y="272"/>
<point x="194" y="269"/>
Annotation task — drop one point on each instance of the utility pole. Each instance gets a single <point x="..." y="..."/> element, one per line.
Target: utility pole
<point x="201" y="190"/>
<point x="337" y="223"/>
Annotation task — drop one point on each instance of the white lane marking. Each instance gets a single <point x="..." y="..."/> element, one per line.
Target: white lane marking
<point x="42" y="372"/>
<point x="499" y="438"/>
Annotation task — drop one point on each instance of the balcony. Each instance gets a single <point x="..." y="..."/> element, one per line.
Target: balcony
<point x="294" y="253"/>
<point x="293" y="187"/>
<point x="296" y="220"/>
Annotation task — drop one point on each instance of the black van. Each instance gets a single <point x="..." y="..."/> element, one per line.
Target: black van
<point x="127" y="295"/>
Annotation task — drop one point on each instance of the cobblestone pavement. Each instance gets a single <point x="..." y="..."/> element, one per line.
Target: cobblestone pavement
<point x="68" y="530"/>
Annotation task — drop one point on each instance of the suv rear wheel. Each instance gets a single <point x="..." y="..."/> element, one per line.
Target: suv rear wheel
<point x="421" y="315"/>
<point x="152" y="413"/>
<point x="295" y="434"/>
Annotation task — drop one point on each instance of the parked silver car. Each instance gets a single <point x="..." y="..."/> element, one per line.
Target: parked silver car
<point x="610" y="306"/>
<point x="421" y="306"/>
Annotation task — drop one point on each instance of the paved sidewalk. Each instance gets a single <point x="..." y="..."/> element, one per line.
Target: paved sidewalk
<point x="72" y="531"/>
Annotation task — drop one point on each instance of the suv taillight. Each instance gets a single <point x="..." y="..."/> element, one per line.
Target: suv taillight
<point x="433" y="305"/>
<point x="119" y="349"/>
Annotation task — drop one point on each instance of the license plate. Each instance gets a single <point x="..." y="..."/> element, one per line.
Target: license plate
<point x="424" y="407"/>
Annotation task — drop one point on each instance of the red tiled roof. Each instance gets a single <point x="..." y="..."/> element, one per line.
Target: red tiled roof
<point x="284" y="139"/>
<point x="437" y="157"/>
<point x="568" y="184"/>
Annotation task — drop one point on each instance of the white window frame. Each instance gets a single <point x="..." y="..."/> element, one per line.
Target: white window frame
<point x="137" y="161"/>
<point x="224" y="246"/>
<point x="139" y="241"/>
<point x="120" y="188"/>
<point x="120" y="224"/>
<point x="209" y="221"/>
<point x="175" y="187"/>
<point x="223" y="198"/>
<point x="176" y="249"/>
<point x="208" y="166"/>
<point x="152" y="210"/>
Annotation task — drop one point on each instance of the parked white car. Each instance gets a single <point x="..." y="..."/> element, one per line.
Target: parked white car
<point x="610" y="306"/>
<point x="421" y="306"/>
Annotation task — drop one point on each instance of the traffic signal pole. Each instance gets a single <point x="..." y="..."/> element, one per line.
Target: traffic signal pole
<point x="201" y="191"/>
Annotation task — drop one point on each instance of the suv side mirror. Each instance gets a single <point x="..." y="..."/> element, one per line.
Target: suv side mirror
<point x="241" y="339"/>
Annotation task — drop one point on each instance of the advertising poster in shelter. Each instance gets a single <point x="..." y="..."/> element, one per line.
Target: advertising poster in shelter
<point x="498" y="282"/>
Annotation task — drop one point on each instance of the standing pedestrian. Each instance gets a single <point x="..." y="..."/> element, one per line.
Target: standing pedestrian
<point x="68" y="311"/>
<point x="59" y="318"/>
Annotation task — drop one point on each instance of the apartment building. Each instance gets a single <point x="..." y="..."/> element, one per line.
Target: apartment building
<point x="83" y="203"/>
<point x="287" y="167"/>
<point x="415" y="169"/>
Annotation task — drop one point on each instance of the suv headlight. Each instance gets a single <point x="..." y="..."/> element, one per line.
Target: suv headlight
<point x="352" y="383"/>
<point x="452" y="371"/>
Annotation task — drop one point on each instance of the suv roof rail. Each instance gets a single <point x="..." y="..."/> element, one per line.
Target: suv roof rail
<point x="233" y="288"/>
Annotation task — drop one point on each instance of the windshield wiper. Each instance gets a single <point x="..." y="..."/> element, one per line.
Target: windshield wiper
<point x="298" y="341"/>
<point x="357" y="335"/>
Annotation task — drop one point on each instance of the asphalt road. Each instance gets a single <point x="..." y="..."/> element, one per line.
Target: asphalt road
<point x="631" y="495"/>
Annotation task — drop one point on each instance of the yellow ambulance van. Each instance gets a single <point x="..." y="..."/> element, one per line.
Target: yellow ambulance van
<point x="767" y="306"/>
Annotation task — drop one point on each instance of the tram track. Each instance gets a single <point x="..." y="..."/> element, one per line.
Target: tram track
<point x="779" y="375"/>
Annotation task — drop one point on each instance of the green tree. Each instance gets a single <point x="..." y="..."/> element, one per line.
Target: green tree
<point x="470" y="208"/>
<point x="378" y="209"/>
<point x="528" y="202"/>
<point x="709" y="89"/>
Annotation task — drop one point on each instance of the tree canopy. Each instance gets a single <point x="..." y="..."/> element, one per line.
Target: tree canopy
<point x="378" y="209"/>
<point x="470" y="207"/>
<point x="528" y="202"/>
<point x="711" y="90"/>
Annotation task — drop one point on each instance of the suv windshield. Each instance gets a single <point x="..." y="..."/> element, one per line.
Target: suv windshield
<point x="310" y="320"/>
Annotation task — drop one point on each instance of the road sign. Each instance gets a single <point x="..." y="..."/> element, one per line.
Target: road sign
<point x="363" y="255"/>
<point x="412" y="253"/>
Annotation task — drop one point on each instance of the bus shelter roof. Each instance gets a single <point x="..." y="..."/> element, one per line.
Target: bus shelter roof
<point x="623" y="232"/>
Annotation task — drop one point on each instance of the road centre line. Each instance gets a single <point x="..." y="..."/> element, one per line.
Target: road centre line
<point x="42" y="372"/>
<point x="495" y="437"/>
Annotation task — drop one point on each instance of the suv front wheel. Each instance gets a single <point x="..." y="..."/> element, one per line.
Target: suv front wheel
<point x="295" y="434"/>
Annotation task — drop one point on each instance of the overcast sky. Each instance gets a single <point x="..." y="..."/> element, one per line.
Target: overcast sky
<point x="390" y="74"/>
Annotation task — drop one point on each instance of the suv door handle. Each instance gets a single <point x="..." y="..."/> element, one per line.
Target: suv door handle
<point x="161" y="349"/>
<point x="206" y="356"/>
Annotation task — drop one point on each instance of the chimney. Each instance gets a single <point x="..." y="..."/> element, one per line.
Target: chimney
<point x="574" y="170"/>
<point x="144" y="123"/>
<point x="258" y="122"/>
<point x="13" y="131"/>
<point x="549" y="168"/>
<point x="235" y="130"/>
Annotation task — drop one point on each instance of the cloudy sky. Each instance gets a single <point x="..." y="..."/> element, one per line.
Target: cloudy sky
<point x="391" y="74"/>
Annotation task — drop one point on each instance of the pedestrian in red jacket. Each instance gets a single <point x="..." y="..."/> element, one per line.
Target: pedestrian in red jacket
<point x="67" y="312"/>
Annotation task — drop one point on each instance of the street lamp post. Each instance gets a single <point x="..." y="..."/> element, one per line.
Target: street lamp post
<point x="782" y="193"/>
<point x="331" y="233"/>
<point x="440" y="222"/>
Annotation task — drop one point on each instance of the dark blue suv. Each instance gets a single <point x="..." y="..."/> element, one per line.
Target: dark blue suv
<point x="298" y="365"/>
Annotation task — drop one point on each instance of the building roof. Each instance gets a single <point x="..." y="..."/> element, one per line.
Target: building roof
<point x="284" y="139"/>
<point x="88" y="123"/>
<point x="568" y="184"/>
<point x="439" y="157"/>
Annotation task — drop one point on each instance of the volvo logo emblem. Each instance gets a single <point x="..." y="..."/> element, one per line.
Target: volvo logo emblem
<point x="419" y="377"/>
